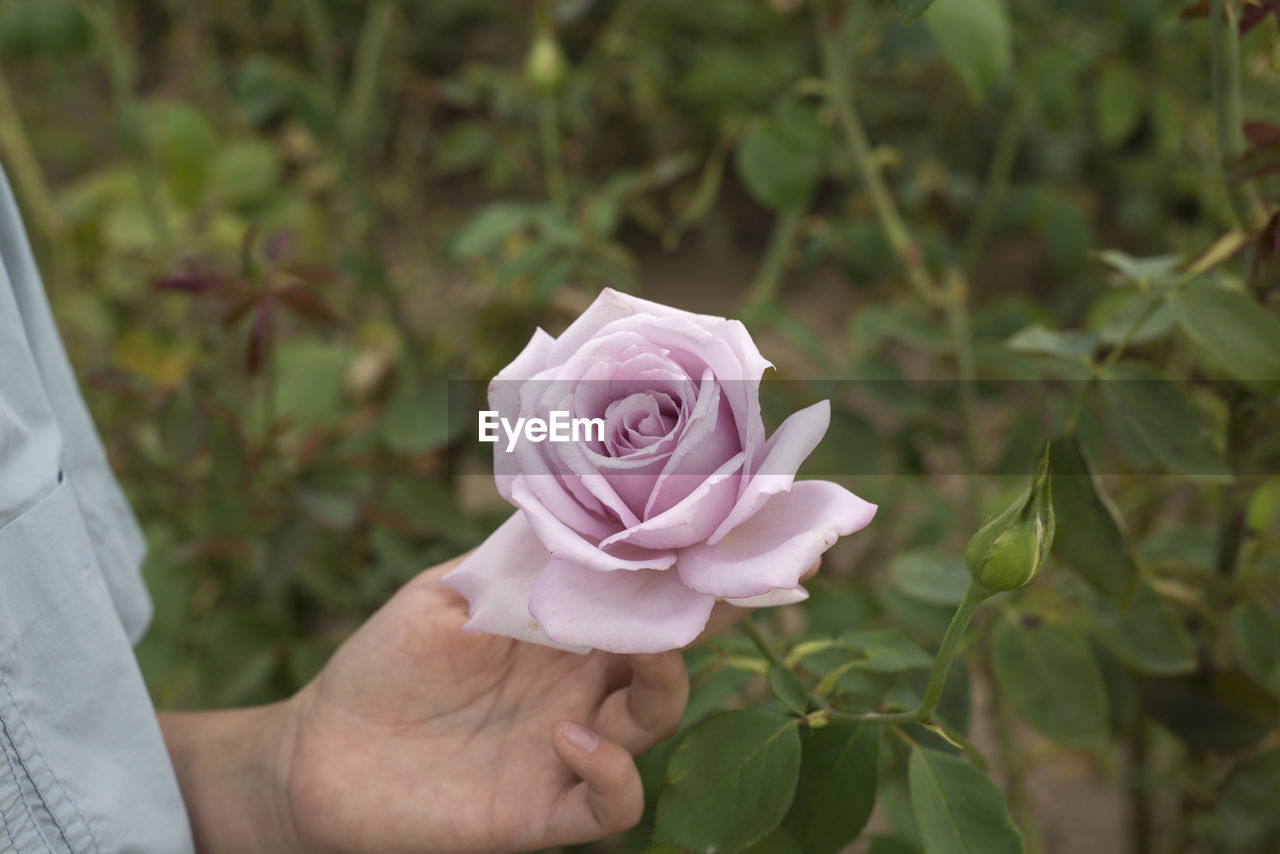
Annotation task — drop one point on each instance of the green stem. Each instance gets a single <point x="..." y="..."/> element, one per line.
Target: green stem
<point x="552" y="157"/>
<point x="25" y="166"/>
<point x="751" y="630"/>
<point x="956" y="306"/>
<point x="1100" y="370"/>
<point x="974" y="596"/>
<point x="366" y="67"/>
<point x="895" y="230"/>
<point x="319" y="39"/>
<point x="1224" y="74"/>
<point x="999" y="173"/>
<point x="765" y="289"/>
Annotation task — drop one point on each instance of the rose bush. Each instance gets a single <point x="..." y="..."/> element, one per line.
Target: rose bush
<point x="624" y="544"/>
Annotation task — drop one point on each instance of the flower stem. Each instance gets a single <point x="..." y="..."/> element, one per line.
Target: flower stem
<point x="895" y="230"/>
<point x="765" y="289"/>
<point x="974" y="595"/>
<point x="1224" y="75"/>
<point x="751" y="630"/>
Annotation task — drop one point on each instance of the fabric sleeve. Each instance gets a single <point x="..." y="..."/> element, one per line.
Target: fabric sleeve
<point x="83" y="765"/>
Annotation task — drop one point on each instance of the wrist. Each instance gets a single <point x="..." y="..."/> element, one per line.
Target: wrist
<point x="233" y="769"/>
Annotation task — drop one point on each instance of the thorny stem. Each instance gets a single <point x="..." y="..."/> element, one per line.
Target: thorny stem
<point x="954" y="297"/>
<point x="895" y="230"/>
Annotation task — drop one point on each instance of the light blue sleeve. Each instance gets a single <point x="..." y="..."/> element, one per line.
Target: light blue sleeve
<point x="83" y="766"/>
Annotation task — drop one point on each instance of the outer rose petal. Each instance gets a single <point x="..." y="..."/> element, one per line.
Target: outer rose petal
<point x="775" y="597"/>
<point x="496" y="580"/>
<point x="643" y="611"/>
<point x="783" y="540"/>
<point x="787" y="448"/>
<point x="564" y="543"/>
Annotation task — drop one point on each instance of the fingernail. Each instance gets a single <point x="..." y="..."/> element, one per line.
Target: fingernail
<point x="581" y="737"/>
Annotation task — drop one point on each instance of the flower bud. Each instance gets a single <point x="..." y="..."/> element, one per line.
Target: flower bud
<point x="1008" y="551"/>
<point x="545" y="65"/>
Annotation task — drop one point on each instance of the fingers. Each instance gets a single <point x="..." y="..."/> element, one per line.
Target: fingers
<point x="649" y="709"/>
<point x="610" y="797"/>
<point x="724" y="614"/>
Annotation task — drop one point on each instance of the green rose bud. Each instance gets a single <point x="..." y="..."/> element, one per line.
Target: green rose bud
<point x="545" y="65"/>
<point x="1008" y="551"/>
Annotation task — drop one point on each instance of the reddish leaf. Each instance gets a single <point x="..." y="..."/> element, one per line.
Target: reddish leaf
<point x="192" y="283"/>
<point x="256" y="353"/>
<point x="304" y="303"/>
<point x="1256" y="162"/>
<point x="238" y="306"/>
<point x="1255" y="11"/>
<point x="314" y="275"/>
<point x="1261" y="133"/>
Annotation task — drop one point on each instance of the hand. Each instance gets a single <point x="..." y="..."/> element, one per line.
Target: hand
<point x="418" y="737"/>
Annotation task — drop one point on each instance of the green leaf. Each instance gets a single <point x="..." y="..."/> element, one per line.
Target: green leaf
<point x="490" y="227"/>
<point x="910" y="10"/>
<point x="886" y="650"/>
<point x="185" y="141"/>
<point x="1143" y="272"/>
<point x="1233" y="332"/>
<point x="1246" y="805"/>
<point x="933" y="577"/>
<point x="310" y="379"/>
<point x="1118" y="106"/>
<point x="976" y="39"/>
<point x="1255" y="641"/>
<point x="1115" y="311"/>
<point x="837" y="787"/>
<point x="1036" y="340"/>
<point x="417" y="418"/>
<point x="245" y="172"/>
<point x="42" y="28"/>
<point x="1089" y="536"/>
<point x="1147" y="635"/>
<point x="1048" y="674"/>
<point x="1155" y="411"/>
<point x="730" y="782"/>
<point x="1217" y="710"/>
<point x="779" y="159"/>
<point x="958" y="809"/>
<point x="788" y="688"/>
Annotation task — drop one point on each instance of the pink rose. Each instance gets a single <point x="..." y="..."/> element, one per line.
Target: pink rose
<point x="625" y="544"/>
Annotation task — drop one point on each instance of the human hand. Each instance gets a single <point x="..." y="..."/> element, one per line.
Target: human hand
<point x="419" y="737"/>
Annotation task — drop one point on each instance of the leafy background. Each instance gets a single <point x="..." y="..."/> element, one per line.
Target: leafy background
<point x="272" y="232"/>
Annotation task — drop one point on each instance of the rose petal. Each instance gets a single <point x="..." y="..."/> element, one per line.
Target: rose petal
<point x="623" y="612"/>
<point x="564" y="543"/>
<point x="496" y="580"/>
<point x="774" y="598"/>
<point x="786" y="449"/>
<point x="692" y="519"/>
<point x="710" y="439"/>
<point x="783" y="540"/>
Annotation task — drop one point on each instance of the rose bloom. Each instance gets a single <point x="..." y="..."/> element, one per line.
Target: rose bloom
<point x="625" y="544"/>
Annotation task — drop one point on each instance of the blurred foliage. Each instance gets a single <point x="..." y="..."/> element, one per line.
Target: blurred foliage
<point x="273" y="231"/>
